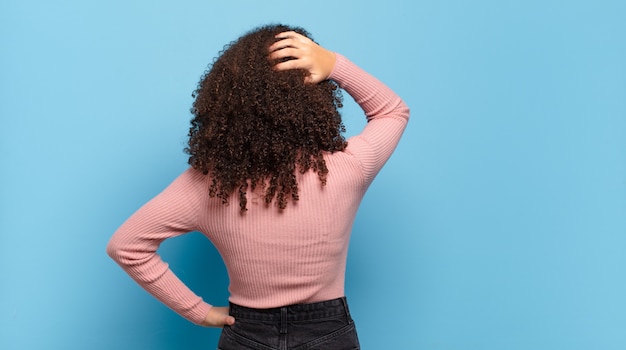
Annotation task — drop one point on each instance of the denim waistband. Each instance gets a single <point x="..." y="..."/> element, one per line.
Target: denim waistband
<point x="296" y="312"/>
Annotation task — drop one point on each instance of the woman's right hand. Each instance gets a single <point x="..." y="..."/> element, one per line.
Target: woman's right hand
<point x="305" y="54"/>
<point x="218" y="317"/>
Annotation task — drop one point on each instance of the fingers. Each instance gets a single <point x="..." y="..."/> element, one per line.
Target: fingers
<point x="282" y="44"/>
<point x="291" y="34"/>
<point x="291" y="45"/>
<point x="229" y="321"/>
<point x="289" y="39"/>
<point x="225" y="321"/>
<point x="218" y="317"/>
<point x="294" y="59"/>
<point x="296" y="51"/>
<point x="297" y="58"/>
<point x="286" y="52"/>
<point x="287" y="65"/>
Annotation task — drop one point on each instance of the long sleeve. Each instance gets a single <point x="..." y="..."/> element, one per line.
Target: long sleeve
<point x="386" y="113"/>
<point x="133" y="246"/>
<point x="274" y="258"/>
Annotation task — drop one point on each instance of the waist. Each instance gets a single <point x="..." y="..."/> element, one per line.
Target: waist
<point x="294" y="313"/>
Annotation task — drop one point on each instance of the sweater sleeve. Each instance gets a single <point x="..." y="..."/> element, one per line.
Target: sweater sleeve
<point x="133" y="246"/>
<point x="387" y="116"/>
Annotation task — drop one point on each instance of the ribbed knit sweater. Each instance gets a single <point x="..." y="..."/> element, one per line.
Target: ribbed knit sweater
<point x="273" y="257"/>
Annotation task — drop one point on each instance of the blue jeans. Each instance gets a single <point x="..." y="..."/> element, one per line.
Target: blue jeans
<point x="324" y="325"/>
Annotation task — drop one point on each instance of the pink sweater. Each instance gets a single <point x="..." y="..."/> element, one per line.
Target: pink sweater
<point x="273" y="258"/>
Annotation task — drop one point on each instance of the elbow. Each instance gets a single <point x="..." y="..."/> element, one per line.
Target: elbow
<point x="119" y="250"/>
<point x="128" y="253"/>
<point x="404" y="111"/>
<point x="113" y="249"/>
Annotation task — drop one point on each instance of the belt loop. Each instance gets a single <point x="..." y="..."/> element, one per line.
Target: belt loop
<point x="283" y="320"/>
<point x="346" y="309"/>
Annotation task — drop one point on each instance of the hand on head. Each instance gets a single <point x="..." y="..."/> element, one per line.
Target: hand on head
<point x="304" y="53"/>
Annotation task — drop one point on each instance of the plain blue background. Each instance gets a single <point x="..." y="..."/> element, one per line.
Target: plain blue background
<point x="499" y="223"/>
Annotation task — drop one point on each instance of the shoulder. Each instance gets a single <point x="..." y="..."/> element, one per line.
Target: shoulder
<point x="189" y="184"/>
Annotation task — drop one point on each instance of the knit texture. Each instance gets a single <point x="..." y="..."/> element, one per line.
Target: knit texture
<point x="273" y="257"/>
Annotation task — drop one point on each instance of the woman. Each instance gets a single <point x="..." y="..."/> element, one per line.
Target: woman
<point x="266" y="135"/>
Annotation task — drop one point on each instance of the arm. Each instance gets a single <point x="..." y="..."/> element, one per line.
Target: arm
<point x="387" y="116"/>
<point x="386" y="113"/>
<point x="134" y="245"/>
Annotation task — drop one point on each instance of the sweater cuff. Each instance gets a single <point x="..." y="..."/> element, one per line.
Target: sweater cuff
<point x="336" y="74"/>
<point x="199" y="313"/>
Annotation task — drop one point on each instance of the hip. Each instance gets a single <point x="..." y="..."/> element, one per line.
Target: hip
<point x="321" y="325"/>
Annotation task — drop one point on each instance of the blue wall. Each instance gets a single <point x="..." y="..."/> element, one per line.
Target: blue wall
<point x="499" y="223"/>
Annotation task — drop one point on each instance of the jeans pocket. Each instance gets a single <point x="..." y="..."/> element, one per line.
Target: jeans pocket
<point x="344" y="338"/>
<point x="241" y="338"/>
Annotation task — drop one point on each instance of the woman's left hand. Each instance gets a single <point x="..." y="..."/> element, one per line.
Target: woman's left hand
<point x="305" y="54"/>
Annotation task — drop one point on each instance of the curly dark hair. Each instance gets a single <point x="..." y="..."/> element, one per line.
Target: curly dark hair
<point x="254" y="126"/>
